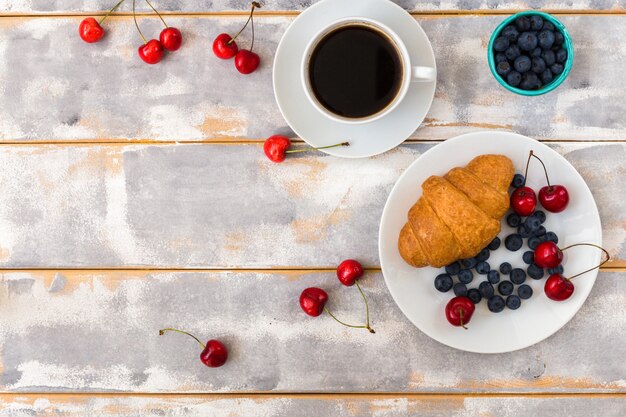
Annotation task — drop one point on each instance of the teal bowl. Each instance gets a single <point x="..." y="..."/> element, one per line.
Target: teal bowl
<point x="568" y="44"/>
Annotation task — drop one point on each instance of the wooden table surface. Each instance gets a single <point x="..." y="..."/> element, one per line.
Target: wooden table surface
<point x="135" y="197"/>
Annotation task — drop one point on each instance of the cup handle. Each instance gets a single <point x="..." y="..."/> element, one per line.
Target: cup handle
<point x="423" y="74"/>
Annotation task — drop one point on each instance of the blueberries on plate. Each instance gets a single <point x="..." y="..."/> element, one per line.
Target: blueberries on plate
<point x="495" y="304"/>
<point x="532" y="222"/>
<point x="486" y="289"/>
<point x="546" y="39"/>
<point x="513" y="220"/>
<point x="528" y="257"/>
<point x="483" y="268"/>
<point x="527" y="41"/>
<point x="465" y="276"/>
<point x="523" y="231"/>
<point x="533" y="242"/>
<point x="513" y="302"/>
<point x="483" y="255"/>
<point x="460" y="290"/>
<point x="493" y="276"/>
<point x="558" y="270"/>
<point x="522" y="24"/>
<point x="514" y="78"/>
<point x="513" y="242"/>
<point x="518" y="181"/>
<point x="535" y="271"/>
<point x="500" y="44"/>
<point x="524" y="291"/>
<point x="510" y="33"/>
<point x="474" y="295"/>
<point x="552" y="237"/>
<point x="443" y="282"/>
<point x="518" y="276"/>
<point x="453" y="268"/>
<point x="522" y="64"/>
<point x="505" y="268"/>
<point x="536" y="22"/>
<point x="495" y="244"/>
<point x="540" y="232"/>
<point x="505" y="288"/>
<point x="539" y="215"/>
<point x="468" y="263"/>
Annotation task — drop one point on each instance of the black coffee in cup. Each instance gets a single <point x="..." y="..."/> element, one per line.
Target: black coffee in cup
<point x="355" y="71"/>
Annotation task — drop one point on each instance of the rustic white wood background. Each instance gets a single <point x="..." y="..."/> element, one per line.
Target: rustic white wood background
<point x="135" y="197"/>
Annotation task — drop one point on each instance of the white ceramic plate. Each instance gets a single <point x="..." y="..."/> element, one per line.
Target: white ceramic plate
<point x="316" y="129"/>
<point x="538" y="317"/>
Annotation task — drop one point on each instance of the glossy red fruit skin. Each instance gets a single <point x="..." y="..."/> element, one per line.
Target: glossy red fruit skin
<point x="558" y="288"/>
<point x="349" y="271"/>
<point x="275" y="147"/>
<point x="246" y="62"/>
<point x="313" y="300"/>
<point x="214" y="354"/>
<point x="151" y="52"/>
<point x="454" y="307"/>
<point x="548" y="255"/>
<point x="90" y="30"/>
<point x="523" y="201"/>
<point x="222" y="49"/>
<point x="171" y="38"/>
<point x="554" y="198"/>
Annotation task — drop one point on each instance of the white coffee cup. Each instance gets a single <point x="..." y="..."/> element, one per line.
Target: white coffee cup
<point x="409" y="73"/>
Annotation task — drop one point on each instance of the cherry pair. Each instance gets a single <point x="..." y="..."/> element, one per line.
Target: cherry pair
<point x="548" y="255"/>
<point x="214" y="354"/>
<point x="225" y="47"/>
<point x="170" y="38"/>
<point x="277" y="147"/>
<point x="553" y="198"/>
<point x="313" y="300"/>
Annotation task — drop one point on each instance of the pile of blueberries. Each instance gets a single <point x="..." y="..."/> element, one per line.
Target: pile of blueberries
<point x="531" y="228"/>
<point x="529" y="53"/>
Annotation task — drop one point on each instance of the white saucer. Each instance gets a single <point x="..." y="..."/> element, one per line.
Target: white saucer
<point x="538" y="317"/>
<point x="317" y="130"/>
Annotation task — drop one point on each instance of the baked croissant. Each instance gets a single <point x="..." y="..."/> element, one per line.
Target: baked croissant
<point x="458" y="214"/>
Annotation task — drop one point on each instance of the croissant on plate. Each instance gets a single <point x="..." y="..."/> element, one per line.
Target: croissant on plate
<point x="458" y="214"/>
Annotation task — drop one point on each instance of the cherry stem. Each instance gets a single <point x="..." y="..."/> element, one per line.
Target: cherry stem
<point x="367" y="308"/>
<point x="461" y="318"/>
<point x="527" y="163"/>
<point x="544" y="168"/>
<point x="608" y="257"/>
<point x="162" y="332"/>
<point x="254" y="5"/>
<point x="157" y="12"/>
<point x="321" y="147"/>
<point x="346" y="324"/>
<point x="135" y="19"/>
<point x="111" y="11"/>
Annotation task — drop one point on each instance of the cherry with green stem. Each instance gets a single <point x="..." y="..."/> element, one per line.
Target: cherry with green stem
<point x="90" y="30"/>
<point x="276" y="147"/>
<point x="247" y="61"/>
<point x="151" y="51"/>
<point x="214" y="354"/>
<point x="313" y="302"/>
<point x="224" y="45"/>
<point x="170" y="37"/>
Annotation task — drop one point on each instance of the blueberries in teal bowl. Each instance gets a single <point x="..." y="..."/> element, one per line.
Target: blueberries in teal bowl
<point x="530" y="53"/>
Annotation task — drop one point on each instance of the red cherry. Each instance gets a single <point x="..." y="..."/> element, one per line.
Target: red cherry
<point x="548" y="255"/>
<point x="224" y="46"/>
<point x="459" y="311"/>
<point x="151" y="52"/>
<point x="349" y="271"/>
<point x="275" y="147"/>
<point x="214" y="354"/>
<point x="90" y="30"/>
<point x="554" y="198"/>
<point x="246" y="61"/>
<point x="171" y="38"/>
<point x="558" y="288"/>
<point x="523" y="201"/>
<point x="313" y="300"/>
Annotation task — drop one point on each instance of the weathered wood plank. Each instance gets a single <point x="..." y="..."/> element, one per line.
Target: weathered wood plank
<point x="46" y="6"/>
<point x="98" y="331"/>
<point x="222" y="206"/>
<point x="55" y="87"/>
<point x="307" y="406"/>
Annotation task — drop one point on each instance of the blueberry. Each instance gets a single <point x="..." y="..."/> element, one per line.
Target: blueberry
<point x="532" y="223"/>
<point x="483" y="268"/>
<point x="460" y="290"/>
<point x="518" y="276"/>
<point x="518" y="181"/>
<point x="552" y="237"/>
<point x="527" y="41"/>
<point x="453" y="268"/>
<point x="513" y="302"/>
<point x="530" y="81"/>
<point x="503" y="68"/>
<point x="534" y="271"/>
<point x="557" y="270"/>
<point x="522" y="23"/>
<point x="548" y="56"/>
<point x="546" y="39"/>
<point x="546" y="76"/>
<point x="495" y="244"/>
<point x="493" y="276"/>
<point x="505" y="288"/>
<point x="556" y="69"/>
<point x="522" y="64"/>
<point x="513" y="220"/>
<point x="538" y="65"/>
<point x="486" y="289"/>
<point x="524" y="291"/>
<point x="513" y="242"/>
<point x="510" y="33"/>
<point x="540" y="232"/>
<point x="512" y="52"/>
<point x="483" y="255"/>
<point x="500" y="44"/>
<point x="500" y="57"/>
<point x="533" y="242"/>
<point x="535" y="53"/>
<point x="505" y="268"/>
<point x="465" y="276"/>
<point x="548" y="26"/>
<point x="561" y="56"/>
<point x="528" y="257"/>
<point x="443" y="282"/>
<point x="514" y="78"/>
<point x="536" y="22"/>
<point x="496" y="304"/>
<point x="540" y="215"/>
<point x="559" y="39"/>
<point x="468" y="263"/>
<point x="474" y="295"/>
<point x="523" y="231"/>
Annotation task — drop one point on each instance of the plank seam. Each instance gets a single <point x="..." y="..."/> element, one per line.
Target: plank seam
<point x="305" y="394"/>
